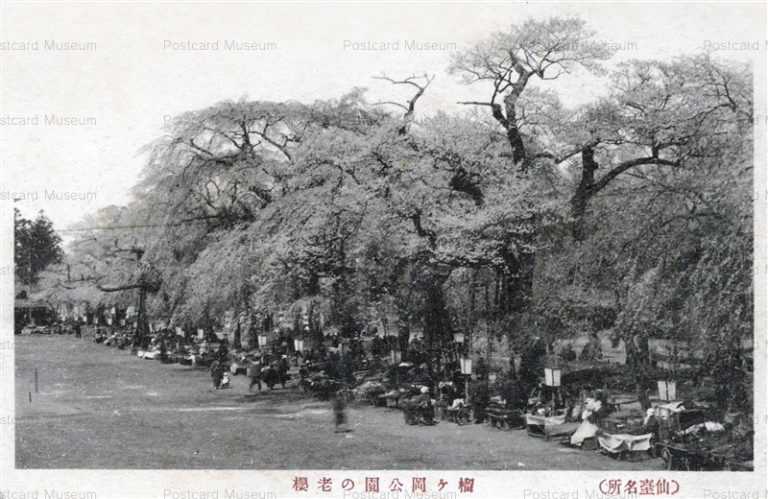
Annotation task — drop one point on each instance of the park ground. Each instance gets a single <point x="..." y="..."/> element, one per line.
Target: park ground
<point x="99" y="407"/>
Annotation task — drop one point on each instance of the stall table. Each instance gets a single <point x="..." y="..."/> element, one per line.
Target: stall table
<point x="536" y="425"/>
<point x="500" y="417"/>
<point x="459" y="415"/>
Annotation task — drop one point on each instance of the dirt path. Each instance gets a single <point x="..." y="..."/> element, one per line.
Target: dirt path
<point x="99" y="407"/>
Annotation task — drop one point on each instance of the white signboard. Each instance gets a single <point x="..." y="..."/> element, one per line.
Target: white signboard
<point x="667" y="390"/>
<point x="552" y="376"/>
<point x="466" y="366"/>
<point x="229" y="320"/>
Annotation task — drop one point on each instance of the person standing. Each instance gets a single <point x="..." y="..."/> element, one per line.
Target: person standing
<point x="163" y="351"/>
<point x="223" y="352"/>
<point x="512" y="392"/>
<point x="480" y="399"/>
<point x="269" y="375"/>
<point x="283" y="368"/>
<point x="340" y="412"/>
<point x="593" y="350"/>
<point x="254" y="371"/>
<point x="304" y="376"/>
<point x="217" y="373"/>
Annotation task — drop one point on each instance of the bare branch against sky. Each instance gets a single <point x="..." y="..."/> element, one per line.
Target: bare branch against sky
<point x="84" y="91"/>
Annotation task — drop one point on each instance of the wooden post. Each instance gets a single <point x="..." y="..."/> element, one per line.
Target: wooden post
<point x="466" y="389"/>
<point x="36" y="385"/>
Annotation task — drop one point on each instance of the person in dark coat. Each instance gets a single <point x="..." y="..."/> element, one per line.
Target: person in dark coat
<point x="531" y="364"/>
<point x="269" y="375"/>
<point x="217" y="373"/>
<point x="339" y="412"/>
<point x="568" y="353"/>
<point x="254" y="372"/>
<point x="283" y="367"/>
<point x="593" y="350"/>
<point x="163" y="350"/>
<point x="643" y="348"/>
<point x="480" y="398"/>
<point x="459" y="381"/>
<point x="481" y="368"/>
<point x="513" y="392"/>
<point x="223" y="352"/>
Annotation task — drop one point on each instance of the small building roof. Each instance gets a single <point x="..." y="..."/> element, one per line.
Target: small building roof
<point x="27" y="303"/>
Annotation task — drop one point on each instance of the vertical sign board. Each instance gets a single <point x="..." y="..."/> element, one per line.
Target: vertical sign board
<point x="229" y="325"/>
<point x="667" y="390"/>
<point x="466" y="366"/>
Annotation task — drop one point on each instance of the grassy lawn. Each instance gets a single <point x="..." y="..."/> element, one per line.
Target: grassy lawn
<point x="99" y="407"/>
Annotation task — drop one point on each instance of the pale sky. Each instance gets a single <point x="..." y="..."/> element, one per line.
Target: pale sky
<point x="128" y="80"/>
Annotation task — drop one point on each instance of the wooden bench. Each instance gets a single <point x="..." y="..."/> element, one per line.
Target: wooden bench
<point x="392" y="401"/>
<point x="561" y="432"/>
<point x="458" y="415"/>
<point x="502" y="418"/>
<point x="536" y="425"/>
